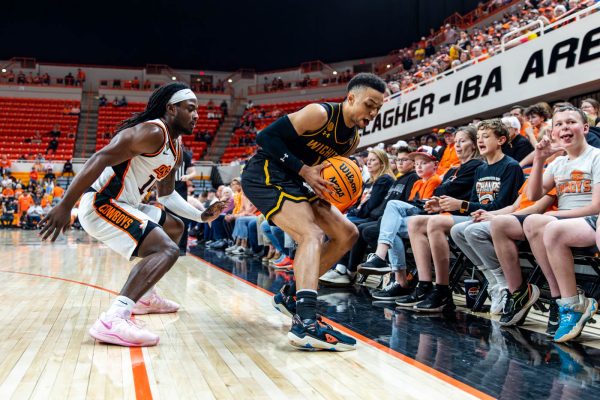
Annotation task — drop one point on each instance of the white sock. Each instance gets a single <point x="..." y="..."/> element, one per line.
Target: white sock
<point x="568" y="301"/>
<point x="121" y="303"/>
<point x="500" y="279"/>
<point x="489" y="276"/>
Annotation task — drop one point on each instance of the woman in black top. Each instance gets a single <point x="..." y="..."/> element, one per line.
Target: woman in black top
<point x="380" y="181"/>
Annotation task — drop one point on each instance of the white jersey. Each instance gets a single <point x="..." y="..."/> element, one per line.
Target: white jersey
<point x="129" y="181"/>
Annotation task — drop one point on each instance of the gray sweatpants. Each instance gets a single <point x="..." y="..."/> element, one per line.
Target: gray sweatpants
<point x="475" y="240"/>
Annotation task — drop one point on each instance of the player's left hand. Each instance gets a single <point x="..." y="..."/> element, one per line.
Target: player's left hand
<point x="213" y="211"/>
<point x="56" y="221"/>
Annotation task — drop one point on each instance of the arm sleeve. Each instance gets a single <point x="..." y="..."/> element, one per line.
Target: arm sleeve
<point x="175" y="203"/>
<point x="511" y="180"/>
<point x="273" y="141"/>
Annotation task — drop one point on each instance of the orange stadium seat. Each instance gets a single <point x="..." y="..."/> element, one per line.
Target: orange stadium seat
<point x="21" y="118"/>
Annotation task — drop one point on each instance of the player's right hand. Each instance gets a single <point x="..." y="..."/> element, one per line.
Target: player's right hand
<point x="56" y="221"/>
<point x="312" y="176"/>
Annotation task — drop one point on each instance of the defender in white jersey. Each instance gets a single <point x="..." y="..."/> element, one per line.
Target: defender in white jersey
<point x="145" y="151"/>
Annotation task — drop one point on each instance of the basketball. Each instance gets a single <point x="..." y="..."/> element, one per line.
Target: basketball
<point x="346" y="176"/>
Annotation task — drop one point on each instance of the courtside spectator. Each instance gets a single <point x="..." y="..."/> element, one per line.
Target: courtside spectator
<point x="496" y="186"/>
<point x="517" y="146"/>
<point x="591" y="108"/>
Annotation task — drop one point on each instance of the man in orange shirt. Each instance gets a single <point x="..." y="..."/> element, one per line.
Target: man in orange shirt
<point x="449" y="158"/>
<point x="519" y="112"/>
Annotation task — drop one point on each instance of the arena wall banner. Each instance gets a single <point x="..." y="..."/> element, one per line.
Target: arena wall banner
<point x="567" y="57"/>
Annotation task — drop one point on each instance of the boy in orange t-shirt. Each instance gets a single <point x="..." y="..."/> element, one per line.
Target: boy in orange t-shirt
<point x="394" y="225"/>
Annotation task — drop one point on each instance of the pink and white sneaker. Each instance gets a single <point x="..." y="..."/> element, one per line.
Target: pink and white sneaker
<point x="119" y="329"/>
<point x="154" y="304"/>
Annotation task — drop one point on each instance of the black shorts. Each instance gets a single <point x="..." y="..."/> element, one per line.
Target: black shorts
<point x="267" y="184"/>
<point x="591" y="220"/>
<point x="521" y="217"/>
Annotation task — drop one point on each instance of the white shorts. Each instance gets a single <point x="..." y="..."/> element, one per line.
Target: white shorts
<point x="120" y="226"/>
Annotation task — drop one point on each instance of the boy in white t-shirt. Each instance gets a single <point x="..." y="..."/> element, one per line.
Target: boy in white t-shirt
<point x="576" y="177"/>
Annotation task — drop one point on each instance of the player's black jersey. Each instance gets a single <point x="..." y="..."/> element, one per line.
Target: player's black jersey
<point x="332" y="139"/>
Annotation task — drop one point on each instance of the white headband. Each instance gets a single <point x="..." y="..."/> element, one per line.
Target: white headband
<point x="181" y="95"/>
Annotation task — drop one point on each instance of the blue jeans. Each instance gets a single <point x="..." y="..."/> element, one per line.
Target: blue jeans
<point x="274" y="234"/>
<point x="240" y="229"/>
<point x="252" y="235"/>
<point x="393" y="228"/>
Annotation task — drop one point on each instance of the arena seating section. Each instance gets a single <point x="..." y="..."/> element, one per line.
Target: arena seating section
<point x="20" y="118"/>
<point x="110" y="116"/>
<point x="236" y="149"/>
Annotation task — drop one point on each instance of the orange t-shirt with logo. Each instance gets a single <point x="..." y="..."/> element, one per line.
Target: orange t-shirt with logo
<point x="8" y="192"/>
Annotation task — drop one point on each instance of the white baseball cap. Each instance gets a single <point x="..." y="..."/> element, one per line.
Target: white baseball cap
<point x="511" y="122"/>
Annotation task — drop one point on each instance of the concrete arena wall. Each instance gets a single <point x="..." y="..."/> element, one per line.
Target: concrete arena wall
<point x="40" y="92"/>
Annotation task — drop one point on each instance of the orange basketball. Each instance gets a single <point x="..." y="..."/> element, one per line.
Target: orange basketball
<point x="347" y="177"/>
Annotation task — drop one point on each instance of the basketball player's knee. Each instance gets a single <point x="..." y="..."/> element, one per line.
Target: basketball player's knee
<point x="311" y="234"/>
<point x="351" y="234"/>
<point x="170" y="250"/>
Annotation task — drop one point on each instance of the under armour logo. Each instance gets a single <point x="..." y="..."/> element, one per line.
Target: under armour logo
<point x="285" y="155"/>
<point x="326" y="134"/>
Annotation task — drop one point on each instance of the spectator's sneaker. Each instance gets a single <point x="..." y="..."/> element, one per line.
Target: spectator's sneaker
<point x="314" y="334"/>
<point x="391" y="292"/>
<point x="154" y="304"/>
<point x="518" y="305"/>
<point x="231" y="248"/>
<point x="218" y="245"/>
<point x="574" y="317"/>
<point x="417" y="295"/>
<point x="238" y="251"/>
<point x="283" y="264"/>
<point x="498" y="296"/>
<point x="553" y="318"/>
<point x="284" y="301"/>
<point x="335" y="277"/>
<point x="279" y="259"/>
<point x="436" y="301"/>
<point x="119" y="329"/>
<point x="374" y="266"/>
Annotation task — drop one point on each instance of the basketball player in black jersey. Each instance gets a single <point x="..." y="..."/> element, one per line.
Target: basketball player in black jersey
<point x="292" y="153"/>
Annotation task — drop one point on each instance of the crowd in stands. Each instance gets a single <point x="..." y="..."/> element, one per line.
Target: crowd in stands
<point x="202" y="86"/>
<point x="23" y="202"/>
<point x="426" y="59"/>
<point x="20" y="78"/>
<point x="480" y="190"/>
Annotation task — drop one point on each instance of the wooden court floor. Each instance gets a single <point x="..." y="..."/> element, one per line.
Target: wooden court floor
<point x="226" y="342"/>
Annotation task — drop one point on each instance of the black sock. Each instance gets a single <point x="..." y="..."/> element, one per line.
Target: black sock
<point x="425" y="284"/>
<point x="292" y="288"/>
<point x="523" y="287"/>
<point x="306" y="304"/>
<point x="444" y="289"/>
